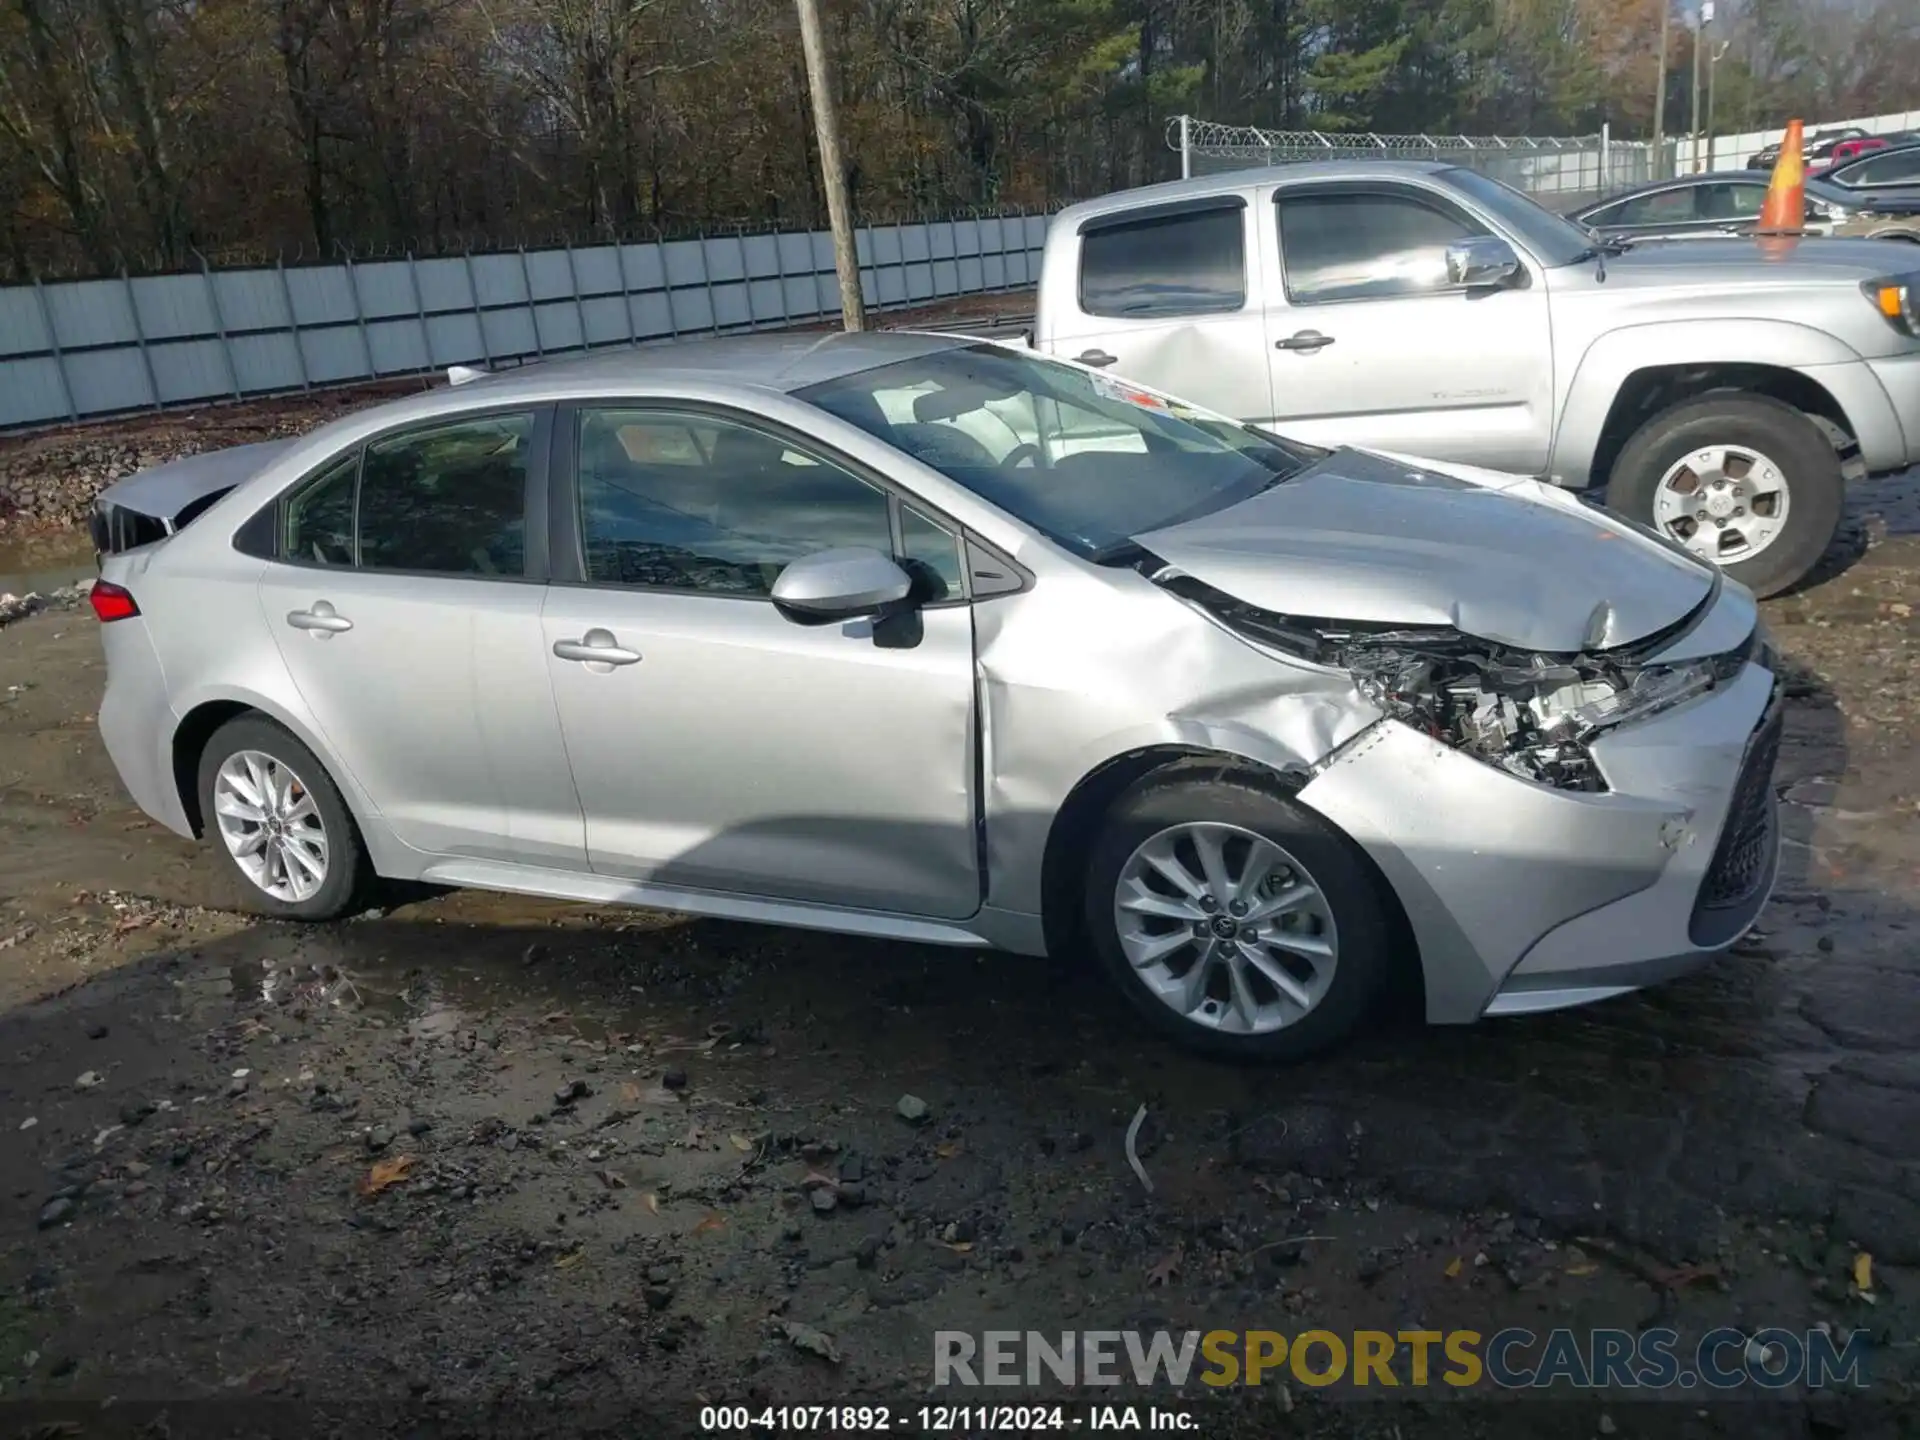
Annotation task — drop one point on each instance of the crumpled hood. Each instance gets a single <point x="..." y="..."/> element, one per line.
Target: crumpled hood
<point x="1383" y="539"/>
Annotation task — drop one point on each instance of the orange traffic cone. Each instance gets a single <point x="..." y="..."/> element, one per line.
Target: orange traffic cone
<point x="1784" y="211"/>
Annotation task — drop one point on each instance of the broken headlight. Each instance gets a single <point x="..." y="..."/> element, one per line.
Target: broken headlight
<point x="1531" y="715"/>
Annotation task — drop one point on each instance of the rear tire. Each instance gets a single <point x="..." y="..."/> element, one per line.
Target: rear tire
<point x="1318" y="960"/>
<point x="279" y="823"/>
<point x="1651" y="483"/>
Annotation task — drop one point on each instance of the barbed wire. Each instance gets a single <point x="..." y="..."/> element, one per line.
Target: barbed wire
<point x="1213" y="138"/>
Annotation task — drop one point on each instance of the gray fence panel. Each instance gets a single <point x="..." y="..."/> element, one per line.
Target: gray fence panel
<point x="172" y="307"/>
<point x="23" y="330"/>
<point x="104" y="380"/>
<point x="31" y="391"/>
<point x="267" y="362"/>
<point x="98" y="346"/>
<point x="187" y="370"/>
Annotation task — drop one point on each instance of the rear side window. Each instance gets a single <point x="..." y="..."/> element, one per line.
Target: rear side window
<point x="1897" y="168"/>
<point x="1353" y="246"/>
<point x="1663" y="207"/>
<point x="450" y="500"/>
<point x="1190" y="263"/>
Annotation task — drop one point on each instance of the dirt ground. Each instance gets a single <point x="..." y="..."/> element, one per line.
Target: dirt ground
<point x="483" y="1165"/>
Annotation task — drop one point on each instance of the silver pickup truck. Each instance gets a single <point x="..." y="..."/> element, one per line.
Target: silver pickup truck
<point x="1721" y="392"/>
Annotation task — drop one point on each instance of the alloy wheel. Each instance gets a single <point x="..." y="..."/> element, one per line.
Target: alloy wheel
<point x="1725" y="503"/>
<point x="271" y="825"/>
<point x="1225" y="927"/>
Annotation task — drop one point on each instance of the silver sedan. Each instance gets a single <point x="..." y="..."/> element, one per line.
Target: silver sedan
<point x="933" y="639"/>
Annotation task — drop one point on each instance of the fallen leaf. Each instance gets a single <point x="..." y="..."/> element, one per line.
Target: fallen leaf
<point x="570" y="1259"/>
<point x="1863" y="1272"/>
<point x="741" y="1143"/>
<point x="651" y="1201"/>
<point x="959" y="1247"/>
<point x="132" y="922"/>
<point x="1582" y="1269"/>
<point x="812" y="1341"/>
<point x="947" y="1149"/>
<point x="711" y="1221"/>
<point x="629" y="1092"/>
<point x="1453" y="1267"/>
<point x="1163" y="1270"/>
<point x="815" y="1180"/>
<point x="385" y="1173"/>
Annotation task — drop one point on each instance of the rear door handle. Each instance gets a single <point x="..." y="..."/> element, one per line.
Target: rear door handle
<point x="596" y="647"/>
<point x="1099" y="359"/>
<point x="1304" y="340"/>
<point x="322" y="619"/>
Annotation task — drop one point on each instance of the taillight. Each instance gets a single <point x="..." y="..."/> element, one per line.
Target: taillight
<point x="111" y="601"/>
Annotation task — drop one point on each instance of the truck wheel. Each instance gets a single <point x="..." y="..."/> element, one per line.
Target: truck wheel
<point x="1744" y="481"/>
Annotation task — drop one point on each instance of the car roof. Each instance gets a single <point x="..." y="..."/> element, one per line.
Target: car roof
<point x="1683" y="182"/>
<point x="781" y="360"/>
<point x="1232" y="182"/>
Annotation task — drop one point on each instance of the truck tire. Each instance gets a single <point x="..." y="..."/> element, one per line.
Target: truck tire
<point x="1742" y="480"/>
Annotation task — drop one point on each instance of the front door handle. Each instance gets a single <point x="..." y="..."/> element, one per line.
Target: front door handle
<point x="598" y="648"/>
<point x="1099" y="359"/>
<point x="1304" y="340"/>
<point x="323" y="620"/>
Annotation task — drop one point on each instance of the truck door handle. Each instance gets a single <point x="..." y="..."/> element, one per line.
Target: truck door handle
<point x="323" y="620"/>
<point x="596" y="647"/>
<point x="1304" y="340"/>
<point x="1099" y="359"/>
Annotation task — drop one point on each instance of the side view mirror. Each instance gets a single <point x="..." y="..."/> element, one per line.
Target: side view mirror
<point x="844" y="584"/>
<point x="1481" y="261"/>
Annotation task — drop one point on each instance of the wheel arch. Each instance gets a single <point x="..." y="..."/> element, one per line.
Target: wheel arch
<point x="1063" y="861"/>
<point x="1654" y="389"/>
<point x="1611" y="391"/>
<point x="203" y="720"/>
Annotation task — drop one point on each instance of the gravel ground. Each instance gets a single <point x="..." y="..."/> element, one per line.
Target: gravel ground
<point x="477" y="1164"/>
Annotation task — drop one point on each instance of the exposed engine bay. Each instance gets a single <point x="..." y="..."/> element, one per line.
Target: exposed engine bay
<point x="1532" y="715"/>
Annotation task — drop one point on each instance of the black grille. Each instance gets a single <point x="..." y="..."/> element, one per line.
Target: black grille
<point x="1747" y="841"/>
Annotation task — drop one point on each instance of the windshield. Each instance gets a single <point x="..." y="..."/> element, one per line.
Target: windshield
<point x="1552" y="239"/>
<point x="1087" y="460"/>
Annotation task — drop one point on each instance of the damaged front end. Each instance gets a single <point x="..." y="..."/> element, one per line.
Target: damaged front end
<point x="1533" y="715"/>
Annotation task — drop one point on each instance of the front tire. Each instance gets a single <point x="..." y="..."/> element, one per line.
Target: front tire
<point x="278" y="820"/>
<point x="1743" y="481"/>
<point x="1234" y="920"/>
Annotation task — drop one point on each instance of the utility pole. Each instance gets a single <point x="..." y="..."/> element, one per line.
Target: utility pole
<point x="1660" y="91"/>
<point x="826" y="127"/>
<point x="1714" y="58"/>
<point x="1702" y="16"/>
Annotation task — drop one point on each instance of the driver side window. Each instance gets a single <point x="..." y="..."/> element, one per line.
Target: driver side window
<point x="686" y="502"/>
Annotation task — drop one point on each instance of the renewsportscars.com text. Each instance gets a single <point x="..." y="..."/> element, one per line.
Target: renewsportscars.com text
<point x="1656" y="1359"/>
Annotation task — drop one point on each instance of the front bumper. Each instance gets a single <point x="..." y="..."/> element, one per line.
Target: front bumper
<point x="1522" y="897"/>
<point x="1899" y="376"/>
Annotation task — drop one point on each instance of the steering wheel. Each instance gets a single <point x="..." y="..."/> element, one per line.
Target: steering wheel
<point x="1025" y="450"/>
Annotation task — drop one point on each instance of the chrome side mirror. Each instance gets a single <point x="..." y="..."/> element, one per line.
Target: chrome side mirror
<point x="843" y="584"/>
<point x="1481" y="261"/>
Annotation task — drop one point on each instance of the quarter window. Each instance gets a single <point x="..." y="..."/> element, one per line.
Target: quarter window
<point x="678" y="502"/>
<point x="1190" y="263"/>
<point x="1366" y="247"/>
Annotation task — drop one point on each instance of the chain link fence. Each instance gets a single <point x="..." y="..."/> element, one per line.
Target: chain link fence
<point x="1562" y="172"/>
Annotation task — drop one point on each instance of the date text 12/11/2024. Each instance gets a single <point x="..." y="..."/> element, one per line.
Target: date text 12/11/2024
<point x="945" y="1419"/>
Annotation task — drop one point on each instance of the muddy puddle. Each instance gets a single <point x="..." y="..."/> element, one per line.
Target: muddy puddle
<point x="45" y="563"/>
